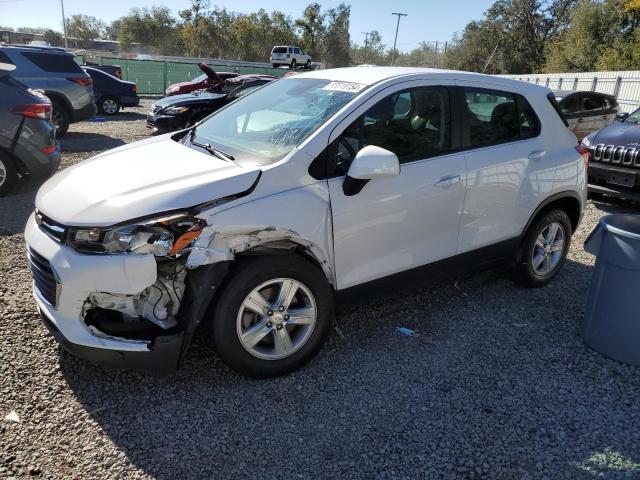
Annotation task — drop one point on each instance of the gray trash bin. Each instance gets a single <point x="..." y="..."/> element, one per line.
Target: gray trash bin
<point x="612" y="317"/>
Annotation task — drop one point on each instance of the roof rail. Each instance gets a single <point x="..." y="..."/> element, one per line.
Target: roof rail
<point x="33" y="47"/>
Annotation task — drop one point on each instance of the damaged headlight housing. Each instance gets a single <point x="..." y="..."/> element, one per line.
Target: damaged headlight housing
<point x="162" y="237"/>
<point x="175" y="110"/>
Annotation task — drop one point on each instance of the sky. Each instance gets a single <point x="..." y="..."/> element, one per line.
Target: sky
<point x="428" y="20"/>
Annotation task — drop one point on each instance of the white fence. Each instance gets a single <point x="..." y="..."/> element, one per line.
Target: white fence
<point x="624" y="85"/>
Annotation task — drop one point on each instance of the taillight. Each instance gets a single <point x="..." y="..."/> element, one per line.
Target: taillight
<point x="585" y="154"/>
<point x="37" y="110"/>
<point x="84" y="81"/>
<point x="49" y="150"/>
<point x="134" y="88"/>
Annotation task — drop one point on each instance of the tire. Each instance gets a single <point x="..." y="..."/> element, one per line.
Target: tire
<point x="275" y="65"/>
<point x="528" y="270"/>
<point x="8" y="174"/>
<point x="308" y="65"/>
<point x="109" y="105"/>
<point x="231" y="317"/>
<point x="60" y="118"/>
<point x="293" y="64"/>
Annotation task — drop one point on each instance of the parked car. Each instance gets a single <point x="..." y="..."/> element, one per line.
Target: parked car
<point x="614" y="167"/>
<point x="181" y="111"/>
<point x="209" y="79"/>
<point x="290" y="56"/>
<point x="114" y="70"/>
<point x="27" y="137"/>
<point x="587" y="112"/>
<point x="56" y="73"/>
<point x="322" y="186"/>
<point x="110" y="93"/>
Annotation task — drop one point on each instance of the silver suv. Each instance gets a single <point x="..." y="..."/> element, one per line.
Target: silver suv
<point x="54" y="71"/>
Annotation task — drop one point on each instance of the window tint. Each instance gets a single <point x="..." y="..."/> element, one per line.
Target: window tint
<point x="414" y="125"/>
<point x="495" y="117"/>
<point x="54" y="62"/>
<point x="570" y="104"/>
<point x="592" y="102"/>
<point x="4" y="58"/>
<point x="297" y="51"/>
<point x="608" y="103"/>
<point x="280" y="50"/>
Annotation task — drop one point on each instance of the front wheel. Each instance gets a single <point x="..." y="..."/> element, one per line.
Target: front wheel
<point x="544" y="249"/>
<point x="273" y="316"/>
<point x="293" y="64"/>
<point x="308" y="66"/>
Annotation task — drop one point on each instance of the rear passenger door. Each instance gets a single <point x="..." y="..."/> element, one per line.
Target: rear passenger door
<point x="397" y="223"/>
<point x="507" y="167"/>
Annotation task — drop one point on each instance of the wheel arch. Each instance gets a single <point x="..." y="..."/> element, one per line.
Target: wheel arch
<point x="569" y="201"/>
<point x="61" y="99"/>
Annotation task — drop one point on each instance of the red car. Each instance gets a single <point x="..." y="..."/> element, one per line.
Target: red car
<point x="209" y="79"/>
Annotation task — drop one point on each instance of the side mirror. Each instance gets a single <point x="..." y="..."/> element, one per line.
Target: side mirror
<point x="370" y="162"/>
<point x="622" y="116"/>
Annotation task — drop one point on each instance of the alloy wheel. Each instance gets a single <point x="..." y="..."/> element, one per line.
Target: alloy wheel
<point x="109" y="106"/>
<point x="548" y="249"/>
<point x="3" y="172"/>
<point x="276" y="319"/>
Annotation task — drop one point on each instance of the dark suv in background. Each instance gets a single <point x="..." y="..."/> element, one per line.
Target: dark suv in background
<point x="27" y="136"/>
<point x="56" y="73"/>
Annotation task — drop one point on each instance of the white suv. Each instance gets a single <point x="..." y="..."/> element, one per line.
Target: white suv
<point x="290" y="56"/>
<point x="309" y="189"/>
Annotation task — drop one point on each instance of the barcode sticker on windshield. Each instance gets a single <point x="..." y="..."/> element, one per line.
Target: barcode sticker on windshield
<point x="344" y="87"/>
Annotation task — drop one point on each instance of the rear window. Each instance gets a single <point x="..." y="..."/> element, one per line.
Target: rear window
<point x="280" y="50"/>
<point x="54" y="62"/>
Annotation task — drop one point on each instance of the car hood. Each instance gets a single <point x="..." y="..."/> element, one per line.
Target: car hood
<point x="189" y="99"/>
<point x="145" y="178"/>
<point x="620" y="134"/>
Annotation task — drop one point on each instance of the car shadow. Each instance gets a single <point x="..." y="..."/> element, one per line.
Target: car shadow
<point x="124" y="116"/>
<point x="78" y="142"/>
<point x="470" y="376"/>
<point x="16" y="207"/>
<point x="613" y="204"/>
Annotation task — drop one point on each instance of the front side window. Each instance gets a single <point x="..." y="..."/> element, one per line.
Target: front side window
<point x="592" y="102"/>
<point x="413" y="124"/>
<point x="495" y="117"/>
<point x="264" y="127"/>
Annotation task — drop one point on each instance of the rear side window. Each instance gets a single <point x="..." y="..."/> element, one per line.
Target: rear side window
<point x="556" y="107"/>
<point x="53" y="62"/>
<point x="495" y="117"/>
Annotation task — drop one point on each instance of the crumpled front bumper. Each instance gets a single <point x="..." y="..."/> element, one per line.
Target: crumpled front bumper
<point x="78" y="275"/>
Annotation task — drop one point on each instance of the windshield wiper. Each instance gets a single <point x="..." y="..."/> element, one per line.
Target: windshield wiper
<point x="209" y="148"/>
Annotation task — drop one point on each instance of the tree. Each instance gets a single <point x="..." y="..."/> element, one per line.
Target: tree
<point x="112" y="30"/>
<point x="312" y="26"/>
<point x="154" y="27"/>
<point x="53" y="38"/>
<point x="84" y="28"/>
<point x="337" y="40"/>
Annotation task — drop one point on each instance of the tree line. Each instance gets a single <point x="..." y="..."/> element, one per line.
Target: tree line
<point x="513" y="36"/>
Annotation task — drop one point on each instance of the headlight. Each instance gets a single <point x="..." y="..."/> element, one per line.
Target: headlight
<point x="175" y="110"/>
<point x="588" y="140"/>
<point x="163" y="237"/>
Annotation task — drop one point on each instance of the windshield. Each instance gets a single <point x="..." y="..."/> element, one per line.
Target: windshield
<point x="265" y="126"/>
<point x="634" y="117"/>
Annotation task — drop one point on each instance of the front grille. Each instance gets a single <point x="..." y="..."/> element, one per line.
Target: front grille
<point x="43" y="277"/>
<point x="616" y="155"/>
<point x="53" y="229"/>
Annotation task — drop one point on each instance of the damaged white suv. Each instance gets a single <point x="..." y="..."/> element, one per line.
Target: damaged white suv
<point x="253" y="222"/>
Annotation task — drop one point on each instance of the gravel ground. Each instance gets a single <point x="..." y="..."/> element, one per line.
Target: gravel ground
<point x="497" y="385"/>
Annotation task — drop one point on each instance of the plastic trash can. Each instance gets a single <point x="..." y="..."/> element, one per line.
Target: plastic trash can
<point x="612" y="316"/>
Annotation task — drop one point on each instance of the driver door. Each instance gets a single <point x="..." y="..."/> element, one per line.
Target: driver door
<point x="397" y="223"/>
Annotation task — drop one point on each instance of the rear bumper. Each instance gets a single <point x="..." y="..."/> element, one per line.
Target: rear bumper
<point x="130" y="101"/>
<point x="85" y="113"/>
<point x="33" y="160"/>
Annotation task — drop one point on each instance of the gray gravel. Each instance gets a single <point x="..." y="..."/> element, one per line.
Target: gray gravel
<point x="497" y="385"/>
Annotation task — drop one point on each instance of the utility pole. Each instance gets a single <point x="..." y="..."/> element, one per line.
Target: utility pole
<point x="435" y="55"/>
<point x="393" y="54"/>
<point x="444" y="58"/>
<point x="366" y="41"/>
<point x="64" y="25"/>
<point x="490" y="58"/>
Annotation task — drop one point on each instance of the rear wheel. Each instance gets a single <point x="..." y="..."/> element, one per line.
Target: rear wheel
<point x="275" y="65"/>
<point x="544" y="249"/>
<point x="109" y="105"/>
<point x="273" y="316"/>
<point x="8" y="174"/>
<point x="60" y="118"/>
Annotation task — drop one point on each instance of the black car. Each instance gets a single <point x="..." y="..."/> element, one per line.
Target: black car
<point x="614" y="166"/>
<point x="27" y="136"/>
<point x="587" y="112"/>
<point x="182" y="111"/>
<point x="114" y="70"/>
<point x="112" y="93"/>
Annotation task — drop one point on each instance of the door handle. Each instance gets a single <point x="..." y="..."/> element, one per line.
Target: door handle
<point x="580" y="120"/>
<point x="446" y="182"/>
<point x="537" y="154"/>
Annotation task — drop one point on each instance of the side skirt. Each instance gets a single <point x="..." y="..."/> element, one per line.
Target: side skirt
<point x="432" y="273"/>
